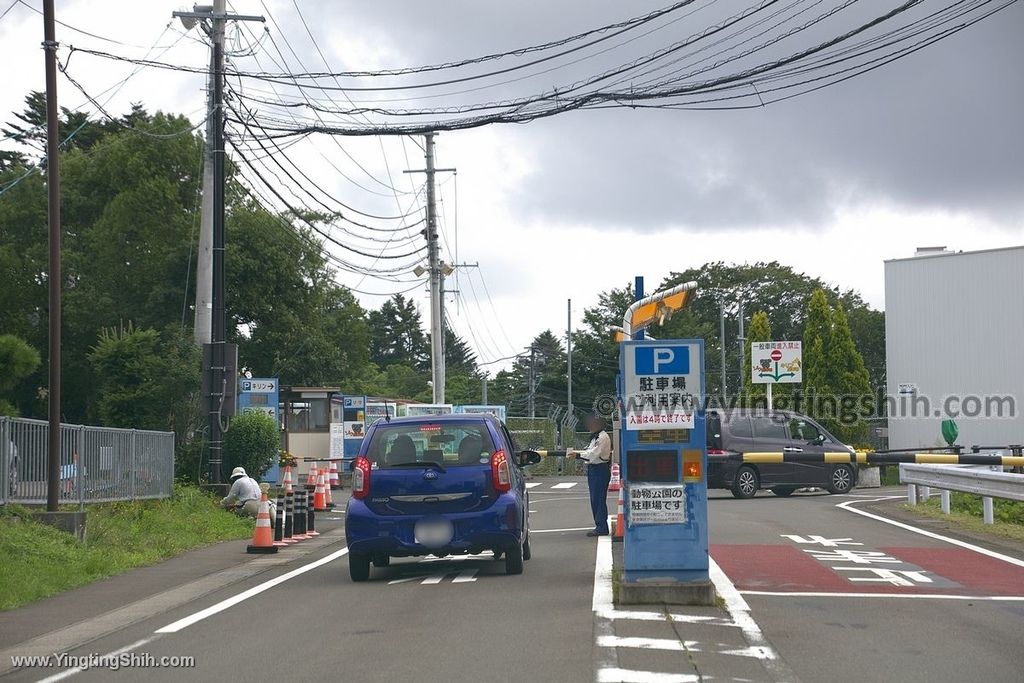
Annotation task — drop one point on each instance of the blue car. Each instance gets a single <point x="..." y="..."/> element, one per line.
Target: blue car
<point x="438" y="485"/>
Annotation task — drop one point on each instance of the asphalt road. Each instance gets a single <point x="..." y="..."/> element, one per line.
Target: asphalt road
<point x="872" y="602"/>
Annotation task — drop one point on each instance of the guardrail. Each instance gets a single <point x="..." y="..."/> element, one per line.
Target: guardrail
<point x="97" y="464"/>
<point x="986" y="483"/>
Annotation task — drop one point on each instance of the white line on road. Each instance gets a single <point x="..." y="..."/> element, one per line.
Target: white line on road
<point x="606" y="659"/>
<point x="565" y="485"/>
<point x="436" y="578"/>
<point x="646" y="643"/>
<point x="925" y="532"/>
<point x="245" y="595"/>
<point x="531" y="484"/>
<point x="888" y="596"/>
<point x="67" y="673"/>
<point x="555" y="531"/>
<point x="633" y="676"/>
<point x="466" y="576"/>
<point x="739" y="611"/>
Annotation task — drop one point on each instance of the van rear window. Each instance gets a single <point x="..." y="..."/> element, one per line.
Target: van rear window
<point x="447" y="443"/>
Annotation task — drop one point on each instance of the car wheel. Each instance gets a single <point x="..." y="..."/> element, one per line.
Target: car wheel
<point x="746" y="483"/>
<point x="842" y="480"/>
<point x="359" y="566"/>
<point x="527" y="553"/>
<point x="514" y="560"/>
<point x="381" y="560"/>
<point x="783" y="491"/>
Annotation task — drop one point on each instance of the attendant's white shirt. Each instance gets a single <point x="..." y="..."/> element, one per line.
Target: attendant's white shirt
<point x="599" y="451"/>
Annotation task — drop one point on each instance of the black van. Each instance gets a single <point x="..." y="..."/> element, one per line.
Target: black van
<point x="741" y="430"/>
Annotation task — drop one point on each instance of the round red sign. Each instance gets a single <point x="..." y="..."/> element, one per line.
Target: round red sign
<point x="776" y="354"/>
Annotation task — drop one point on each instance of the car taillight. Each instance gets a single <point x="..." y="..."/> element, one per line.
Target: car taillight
<point x="501" y="475"/>
<point x="361" y="478"/>
<point x="717" y="451"/>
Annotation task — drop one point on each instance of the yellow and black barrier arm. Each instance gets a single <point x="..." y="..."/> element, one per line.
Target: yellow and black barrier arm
<point x="883" y="458"/>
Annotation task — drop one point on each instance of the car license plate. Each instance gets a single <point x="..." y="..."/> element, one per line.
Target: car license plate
<point x="434" y="533"/>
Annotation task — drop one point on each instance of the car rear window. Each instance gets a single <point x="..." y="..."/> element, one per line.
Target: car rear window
<point x="447" y="443"/>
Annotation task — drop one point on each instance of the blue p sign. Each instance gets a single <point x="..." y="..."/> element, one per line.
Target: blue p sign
<point x="662" y="360"/>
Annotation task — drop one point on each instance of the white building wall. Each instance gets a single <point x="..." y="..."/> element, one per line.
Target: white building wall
<point x="954" y="326"/>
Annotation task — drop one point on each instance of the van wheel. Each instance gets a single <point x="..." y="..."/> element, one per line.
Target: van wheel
<point x="514" y="560"/>
<point x="842" y="480"/>
<point x="746" y="483"/>
<point x="358" y="566"/>
<point x="783" y="491"/>
<point x="381" y="560"/>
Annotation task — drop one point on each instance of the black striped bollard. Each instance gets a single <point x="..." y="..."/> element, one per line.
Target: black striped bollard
<point x="279" y="522"/>
<point x="289" y="518"/>
<point x="310" y="522"/>
<point x="300" y="515"/>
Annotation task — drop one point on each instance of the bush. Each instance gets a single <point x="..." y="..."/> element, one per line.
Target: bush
<point x="253" y="442"/>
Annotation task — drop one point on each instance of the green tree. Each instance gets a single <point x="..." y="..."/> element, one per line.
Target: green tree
<point x="252" y="441"/>
<point x="760" y="330"/>
<point x="816" y="340"/>
<point x="848" y="377"/>
<point x="397" y="335"/>
<point x="18" y="360"/>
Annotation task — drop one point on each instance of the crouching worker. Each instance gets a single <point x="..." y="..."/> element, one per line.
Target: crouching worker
<point x="244" y="496"/>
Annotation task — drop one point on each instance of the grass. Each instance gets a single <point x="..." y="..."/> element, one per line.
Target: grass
<point x="38" y="561"/>
<point x="965" y="513"/>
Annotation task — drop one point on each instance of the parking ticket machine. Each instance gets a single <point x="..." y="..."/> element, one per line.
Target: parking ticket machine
<point x="664" y="462"/>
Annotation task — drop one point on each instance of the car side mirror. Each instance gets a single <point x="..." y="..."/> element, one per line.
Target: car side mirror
<point x="528" y="458"/>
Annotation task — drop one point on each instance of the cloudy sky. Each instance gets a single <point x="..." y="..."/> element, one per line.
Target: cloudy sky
<point x="924" y="151"/>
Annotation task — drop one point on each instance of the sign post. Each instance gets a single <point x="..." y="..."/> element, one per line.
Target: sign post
<point x="664" y="465"/>
<point x="775" y="362"/>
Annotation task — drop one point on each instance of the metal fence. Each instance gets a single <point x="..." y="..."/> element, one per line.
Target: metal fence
<point x="97" y="464"/>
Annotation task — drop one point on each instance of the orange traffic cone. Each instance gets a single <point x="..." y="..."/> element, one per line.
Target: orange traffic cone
<point x="620" y="521"/>
<point x="615" y="484"/>
<point x="262" y="536"/>
<point x="311" y="477"/>
<point x="287" y="479"/>
<point x="335" y="481"/>
<point x="319" y="497"/>
<point x="327" y="491"/>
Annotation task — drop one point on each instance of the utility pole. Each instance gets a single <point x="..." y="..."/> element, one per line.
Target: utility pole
<point x="568" y="353"/>
<point x="742" y="340"/>
<point x="217" y="377"/>
<point x="53" y="276"/>
<point x="204" y="253"/>
<point x="531" y="408"/>
<point x="721" y="343"/>
<point x="437" y="269"/>
<point x="483" y="389"/>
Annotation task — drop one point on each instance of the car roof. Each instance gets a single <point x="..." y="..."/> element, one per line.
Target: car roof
<point x="447" y="417"/>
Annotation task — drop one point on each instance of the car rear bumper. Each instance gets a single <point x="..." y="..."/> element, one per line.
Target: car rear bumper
<point x="721" y="472"/>
<point x="498" y="526"/>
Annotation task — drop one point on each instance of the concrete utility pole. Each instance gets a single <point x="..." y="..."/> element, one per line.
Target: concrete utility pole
<point x="436" y="281"/>
<point x="742" y="340"/>
<point x="204" y="253"/>
<point x="721" y="344"/>
<point x="53" y="276"/>
<point x="216" y="375"/>
<point x="531" y="408"/>
<point x="568" y="353"/>
<point x="483" y="389"/>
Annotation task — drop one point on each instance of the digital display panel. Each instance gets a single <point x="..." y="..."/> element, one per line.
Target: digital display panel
<point x="653" y="465"/>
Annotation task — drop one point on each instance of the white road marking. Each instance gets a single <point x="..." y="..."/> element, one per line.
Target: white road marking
<point x="67" y="673"/>
<point x="739" y="611"/>
<point x="606" y="659"/>
<point x="555" y="531"/>
<point x="640" y="615"/>
<point x="466" y="576"/>
<point x="930" y="534"/>
<point x="617" y="675"/>
<point x="531" y="484"/>
<point x="245" y="595"/>
<point x="435" y="579"/>
<point x="646" y="643"/>
<point x="395" y="582"/>
<point x="565" y="485"/>
<point x="888" y="596"/>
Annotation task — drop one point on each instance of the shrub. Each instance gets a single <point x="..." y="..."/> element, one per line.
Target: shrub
<point x="253" y="442"/>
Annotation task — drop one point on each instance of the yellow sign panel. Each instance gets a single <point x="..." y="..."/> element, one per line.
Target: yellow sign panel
<point x="649" y="313"/>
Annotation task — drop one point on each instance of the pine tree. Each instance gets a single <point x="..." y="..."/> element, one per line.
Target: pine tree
<point x="817" y="336"/>
<point x="754" y="395"/>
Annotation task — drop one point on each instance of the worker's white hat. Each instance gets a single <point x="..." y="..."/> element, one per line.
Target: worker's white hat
<point x="238" y="472"/>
